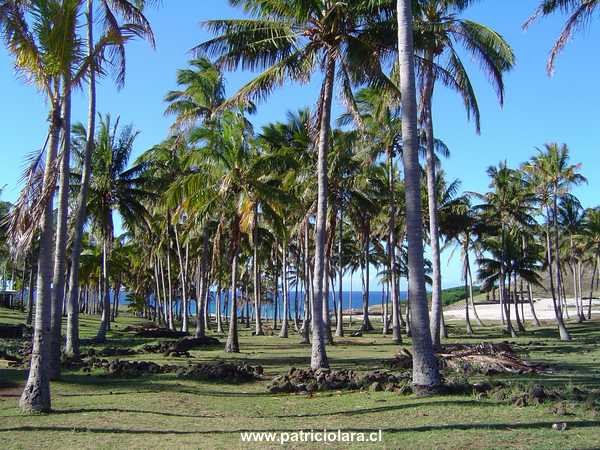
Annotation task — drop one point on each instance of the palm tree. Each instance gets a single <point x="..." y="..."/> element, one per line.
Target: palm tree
<point x="580" y="13"/>
<point x="290" y="40"/>
<point x="40" y="34"/>
<point x="571" y="216"/>
<point x="426" y="374"/>
<point x="506" y="207"/>
<point x="591" y="233"/>
<point x="439" y="32"/>
<point x="115" y="36"/>
<point x="202" y="92"/>
<point x="239" y="180"/>
<point x="380" y="125"/>
<point x="113" y="187"/>
<point x="552" y="177"/>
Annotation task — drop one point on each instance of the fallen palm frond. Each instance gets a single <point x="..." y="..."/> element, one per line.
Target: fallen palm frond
<point x="487" y="358"/>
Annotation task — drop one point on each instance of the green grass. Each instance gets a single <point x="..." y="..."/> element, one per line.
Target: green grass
<point x="93" y="411"/>
<point x="455" y="294"/>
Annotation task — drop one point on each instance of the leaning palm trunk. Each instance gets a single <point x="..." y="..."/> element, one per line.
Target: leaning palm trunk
<point x="36" y="394"/>
<point x="562" y="329"/>
<point x="72" y="342"/>
<point x="426" y="376"/>
<point x="183" y="280"/>
<point x="436" y="293"/>
<point x="58" y="280"/>
<point x="319" y="355"/>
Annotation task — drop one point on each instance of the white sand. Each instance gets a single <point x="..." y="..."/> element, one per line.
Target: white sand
<point x="543" y="309"/>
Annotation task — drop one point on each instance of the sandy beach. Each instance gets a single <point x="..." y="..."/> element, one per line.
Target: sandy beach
<point x="543" y="309"/>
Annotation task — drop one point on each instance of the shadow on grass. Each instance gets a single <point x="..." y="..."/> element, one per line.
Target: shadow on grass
<point x="424" y="428"/>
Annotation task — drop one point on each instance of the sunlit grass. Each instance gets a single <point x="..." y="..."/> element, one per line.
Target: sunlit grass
<point x="163" y="411"/>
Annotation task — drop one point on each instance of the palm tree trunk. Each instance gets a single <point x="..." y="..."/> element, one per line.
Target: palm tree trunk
<point x="396" y="331"/>
<point x="258" y="331"/>
<point x="517" y="300"/>
<point x="467" y="297"/>
<point x="426" y="376"/>
<point x="60" y="250"/>
<point x="183" y="281"/>
<point x="72" y="343"/>
<point x="319" y="355"/>
<point x="171" y="322"/>
<point x="202" y="287"/>
<point x="36" y="394"/>
<point x="562" y="329"/>
<point x="105" y="321"/>
<point x="339" y="329"/>
<point x="30" y="291"/>
<point x="218" y="307"/>
<point x="326" y="279"/>
<point x="286" y="306"/>
<point x="427" y="119"/>
<point x="589" y="312"/>
<point x="307" y="289"/>
<point x="579" y="292"/>
<point x="232" y="345"/>
<point x="471" y="297"/>
<point x="504" y="294"/>
<point x="366" y="325"/>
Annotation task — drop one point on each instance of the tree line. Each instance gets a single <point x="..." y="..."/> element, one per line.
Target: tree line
<point x="219" y="205"/>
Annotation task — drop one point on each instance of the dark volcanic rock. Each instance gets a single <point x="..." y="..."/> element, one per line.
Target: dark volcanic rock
<point x="12" y="331"/>
<point x="188" y="343"/>
<point x="309" y="380"/>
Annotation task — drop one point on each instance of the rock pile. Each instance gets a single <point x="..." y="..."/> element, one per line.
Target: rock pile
<point x="219" y="371"/>
<point x="180" y="347"/>
<point x="309" y="380"/>
<point x="110" y="351"/>
<point x="236" y="373"/>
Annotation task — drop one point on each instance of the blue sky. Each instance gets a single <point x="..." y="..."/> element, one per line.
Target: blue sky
<point x="538" y="109"/>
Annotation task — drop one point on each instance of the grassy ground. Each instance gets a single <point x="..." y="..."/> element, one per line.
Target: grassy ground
<point x="93" y="411"/>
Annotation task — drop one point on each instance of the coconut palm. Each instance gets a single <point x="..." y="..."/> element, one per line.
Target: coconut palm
<point x="440" y="31"/>
<point x="40" y="34"/>
<point x="505" y="207"/>
<point x="290" y="40"/>
<point x="380" y="126"/>
<point x="591" y="234"/>
<point x="571" y="216"/>
<point x="579" y="12"/>
<point x="111" y="46"/>
<point x="552" y="177"/>
<point x="426" y="375"/>
<point x="113" y="187"/>
<point x="239" y="180"/>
